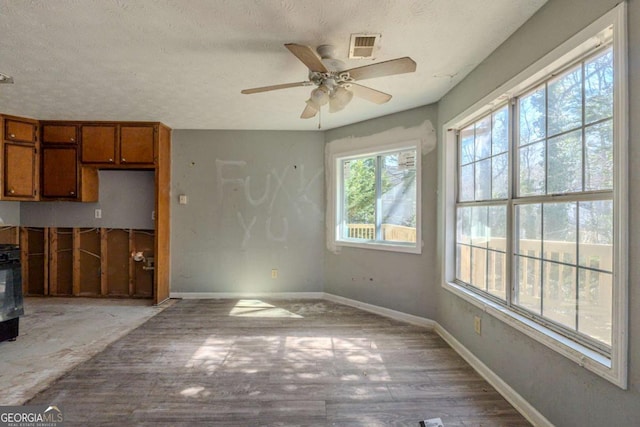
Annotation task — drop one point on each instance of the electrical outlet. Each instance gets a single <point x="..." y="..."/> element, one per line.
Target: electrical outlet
<point x="98" y="213"/>
<point x="477" y="325"/>
<point x="274" y="273"/>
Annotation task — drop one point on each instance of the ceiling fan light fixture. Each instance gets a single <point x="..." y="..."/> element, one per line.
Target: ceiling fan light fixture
<point x="320" y="96"/>
<point x="339" y="99"/>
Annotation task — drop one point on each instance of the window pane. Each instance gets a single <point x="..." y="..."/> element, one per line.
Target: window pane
<point x="559" y="296"/>
<point x="596" y="235"/>
<point x="529" y="238"/>
<point x="595" y="305"/>
<point x="483" y="138"/>
<point x="500" y="131"/>
<point x="598" y="87"/>
<point x="500" y="176"/>
<point x="528" y="284"/>
<point x="599" y="156"/>
<point x="479" y="227"/>
<point x="463" y="232"/>
<point x="498" y="228"/>
<point x="467" y="150"/>
<point x="496" y="274"/>
<point x="463" y="263"/>
<point x="360" y="197"/>
<point x="532" y="117"/>
<point x="560" y="229"/>
<point x="467" y="190"/>
<point x="398" y="199"/>
<point x="565" y="102"/>
<point x="532" y="170"/>
<point x="483" y="180"/>
<point x="565" y="163"/>
<point x="479" y="268"/>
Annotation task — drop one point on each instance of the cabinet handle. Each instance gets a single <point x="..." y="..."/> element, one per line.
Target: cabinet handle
<point x="73" y="139"/>
<point x="13" y="135"/>
<point x="123" y="159"/>
<point x="111" y="160"/>
<point x="72" y="193"/>
<point x="12" y="191"/>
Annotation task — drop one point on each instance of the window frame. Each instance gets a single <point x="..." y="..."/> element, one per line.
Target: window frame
<point x="337" y="200"/>
<point x="612" y="367"/>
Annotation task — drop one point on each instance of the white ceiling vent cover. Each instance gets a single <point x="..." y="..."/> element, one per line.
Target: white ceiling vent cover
<point x="363" y="46"/>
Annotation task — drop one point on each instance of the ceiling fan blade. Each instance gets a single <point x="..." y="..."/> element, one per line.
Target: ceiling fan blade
<point x="275" y="87"/>
<point x="369" y="94"/>
<point x="381" y="69"/>
<point x="308" y="112"/>
<point x="308" y="57"/>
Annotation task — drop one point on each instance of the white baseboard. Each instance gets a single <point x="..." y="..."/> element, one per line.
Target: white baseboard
<point x="235" y="295"/>
<point x="386" y="312"/>
<point x="518" y="402"/>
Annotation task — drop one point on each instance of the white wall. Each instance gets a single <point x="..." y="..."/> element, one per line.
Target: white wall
<point x="255" y="203"/>
<point x="9" y="213"/>
<point x="399" y="281"/>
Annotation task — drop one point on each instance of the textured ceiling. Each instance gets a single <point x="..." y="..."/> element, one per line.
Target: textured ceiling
<point x="185" y="62"/>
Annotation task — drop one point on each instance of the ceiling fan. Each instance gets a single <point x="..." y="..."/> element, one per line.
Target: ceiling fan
<point x="335" y="85"/>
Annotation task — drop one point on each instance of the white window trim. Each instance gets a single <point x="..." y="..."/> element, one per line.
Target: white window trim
<point x="336" y="197"/>
<point x="614" y="369"/>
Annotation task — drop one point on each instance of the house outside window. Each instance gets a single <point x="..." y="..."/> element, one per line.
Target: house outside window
<point x="377" y="203"/>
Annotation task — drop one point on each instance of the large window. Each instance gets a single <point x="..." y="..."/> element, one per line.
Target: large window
<point x="539" y="213"/>
<point x="378" y="198"/>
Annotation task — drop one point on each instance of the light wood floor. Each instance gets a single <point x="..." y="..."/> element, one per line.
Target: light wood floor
<point x="294" y="362"/>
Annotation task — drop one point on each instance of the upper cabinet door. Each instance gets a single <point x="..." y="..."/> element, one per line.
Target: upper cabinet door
<point x="98" y="143"/>
<point x="137" y="144"/>
<point x="20" y="165"/>
<point x="60" y="172"/>
<point x="59" y="134"/>
<point x="19" y="131"/>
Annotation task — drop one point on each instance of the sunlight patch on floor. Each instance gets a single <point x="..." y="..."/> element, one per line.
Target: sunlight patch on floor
<point x="257" y="308"/>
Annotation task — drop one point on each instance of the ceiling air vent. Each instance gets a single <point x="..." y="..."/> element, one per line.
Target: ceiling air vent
<point x="363" y="46"/>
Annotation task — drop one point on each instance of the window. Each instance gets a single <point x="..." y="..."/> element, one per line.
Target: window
<point x="377" y="198"/>
<point x="537" y="220"/>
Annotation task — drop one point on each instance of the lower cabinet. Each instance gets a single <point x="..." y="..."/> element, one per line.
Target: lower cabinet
<point x="93" y="262"/>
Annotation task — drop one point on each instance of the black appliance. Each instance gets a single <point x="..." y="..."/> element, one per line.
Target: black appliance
<point x="11" y="301"/>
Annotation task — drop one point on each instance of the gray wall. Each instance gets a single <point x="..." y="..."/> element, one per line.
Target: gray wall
<point x="399" y="281"/>
<point x="255" y="203"/>
<point x="126" y="199"/>
<point x="9" y="213"/>
<point x="565" y="393"/>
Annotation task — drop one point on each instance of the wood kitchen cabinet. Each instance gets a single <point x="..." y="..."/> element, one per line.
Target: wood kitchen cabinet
<point x="59" y="134"/>
<point x="64" y="178"/>
<point x="59" y="172"/>
<point x="121" y="145"/>
<point x="20" y="162"/>
<point x="137" y="144"/>
<point x="99" y="143"/>
<point x="61" y="159"/>
<point x="20" y="159"/>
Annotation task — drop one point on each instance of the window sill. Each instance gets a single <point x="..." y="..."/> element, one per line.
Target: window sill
<point x="583" y="356"/>
<point x="380" y="246"/>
